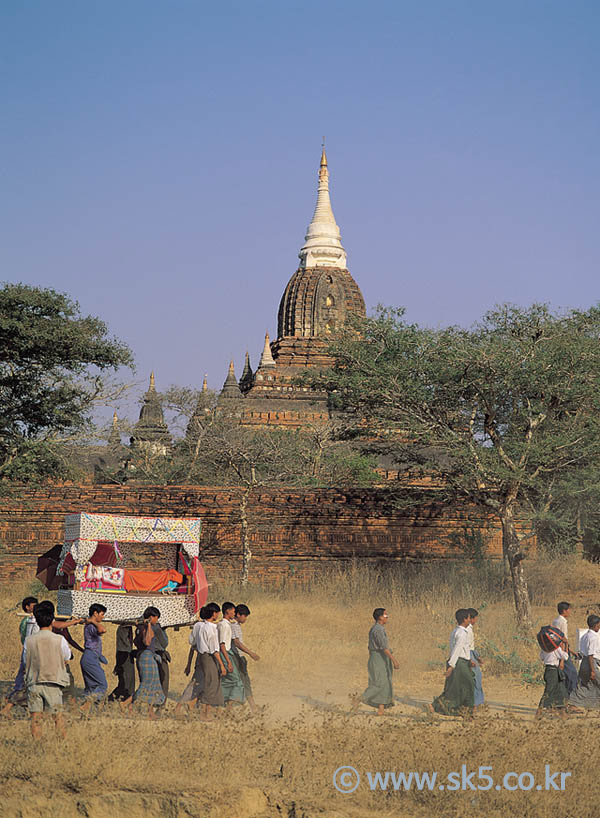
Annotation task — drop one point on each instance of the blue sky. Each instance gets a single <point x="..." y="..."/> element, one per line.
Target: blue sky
<point x="160" y="160"/>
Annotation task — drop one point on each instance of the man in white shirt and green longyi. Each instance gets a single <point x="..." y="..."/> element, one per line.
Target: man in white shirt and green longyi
<point x="459" y="689"/>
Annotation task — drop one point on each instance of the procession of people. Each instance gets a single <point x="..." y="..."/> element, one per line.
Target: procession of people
<point x="565" y="689"/>
<point x="44" y="678"/>
<point x="220" y="678"/>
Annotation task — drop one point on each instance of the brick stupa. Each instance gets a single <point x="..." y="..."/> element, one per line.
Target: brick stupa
<point x="316" y="303"/>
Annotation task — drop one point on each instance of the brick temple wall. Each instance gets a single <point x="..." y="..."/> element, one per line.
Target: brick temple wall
<point x="294" y="533"/>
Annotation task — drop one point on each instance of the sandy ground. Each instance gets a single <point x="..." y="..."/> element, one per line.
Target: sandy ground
<point x="279" y="762"/>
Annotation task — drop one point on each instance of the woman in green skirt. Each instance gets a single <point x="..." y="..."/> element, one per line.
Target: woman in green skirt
<point x="379" y="693"/>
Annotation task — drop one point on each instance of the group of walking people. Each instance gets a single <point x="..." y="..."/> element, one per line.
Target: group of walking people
<point x="566" y="688"/>
<point x="463" y="686"/>
<point x="220" y="676"/>
<point x="44" y="676"/>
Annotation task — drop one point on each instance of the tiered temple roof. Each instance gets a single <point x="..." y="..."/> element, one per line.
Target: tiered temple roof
<point x="316" y="303"/>
<point x="151" y="431"/>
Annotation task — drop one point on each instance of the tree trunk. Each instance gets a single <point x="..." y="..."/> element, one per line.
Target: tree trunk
<point x="246" y="552"/>
<point x="511" y="546"/>
<point x="579" y="543"/>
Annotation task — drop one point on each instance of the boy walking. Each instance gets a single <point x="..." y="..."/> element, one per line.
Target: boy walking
<point x="61" y="627"/>
<point x="555" y="690"/>
<point x="124" y="668"/>
<point x="459" y="688"/>
<point x="475" y="658"/>
<point x="242" y="612"/>
<point x="204" y="637"/>
<point x="93" y="674"/>
<point x="381" y="664"/>
<point x="194" y="688"/>
<point x="587" y="693"/>
<point x="46" y="655"/>
<point x="231" y="683"/>
<point x="562" y="624"/>
<point x="27" y="626"/>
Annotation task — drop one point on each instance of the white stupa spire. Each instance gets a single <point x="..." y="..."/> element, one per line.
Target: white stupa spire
<point x="266" y="359"/>
<point x="323" y="242"/>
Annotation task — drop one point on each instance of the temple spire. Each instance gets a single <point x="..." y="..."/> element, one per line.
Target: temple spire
<point x="151" y="432"/>
<point x="247" y="375"/>
<point x="323" y="242"/>
<point x="266" y="359"/>
<point x="205" y="384"/>
<point x="230" y="388"/>
<point x="114" y="437"/>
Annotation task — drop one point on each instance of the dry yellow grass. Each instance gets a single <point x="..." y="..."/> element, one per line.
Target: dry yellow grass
<point x="312" y="644"/>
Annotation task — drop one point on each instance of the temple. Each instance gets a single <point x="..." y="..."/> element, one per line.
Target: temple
<point x="150" y="433"/>
<point x="317" y="301"/>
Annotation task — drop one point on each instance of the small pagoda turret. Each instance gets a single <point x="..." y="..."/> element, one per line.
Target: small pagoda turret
<point x="151" y="433"/>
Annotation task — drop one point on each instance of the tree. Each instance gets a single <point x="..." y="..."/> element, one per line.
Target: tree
<point x="217" y="449"/>
<point x="53" y="365"/>
<point x="498" y="414"/>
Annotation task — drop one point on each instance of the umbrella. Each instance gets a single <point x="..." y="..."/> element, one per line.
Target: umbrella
<point x="46" y="568"/>
<point x="200" y="584"/>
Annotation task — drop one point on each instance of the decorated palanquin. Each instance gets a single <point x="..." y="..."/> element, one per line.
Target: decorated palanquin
<point x="99" y="562"/>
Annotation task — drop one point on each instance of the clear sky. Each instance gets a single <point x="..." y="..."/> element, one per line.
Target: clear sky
<point x="160" y="159"/>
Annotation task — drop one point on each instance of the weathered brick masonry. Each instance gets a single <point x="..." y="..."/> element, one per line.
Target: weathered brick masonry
<point x="294" y="533"/>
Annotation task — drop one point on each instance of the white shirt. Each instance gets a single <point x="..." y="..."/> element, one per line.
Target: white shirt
<point x="589" y="644"/>
<point x="459" y="645"/>
<point x="64" y="646"/>
<point x="224" y="631"/>
<point x="471" y="633"/>
<point x="561" y="623"/>
<point x="553" y="657"/>
<point x="32" y="627"/>
<point x="204" y="637"/>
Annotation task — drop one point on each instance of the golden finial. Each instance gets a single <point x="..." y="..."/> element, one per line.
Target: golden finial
<point x="152" y="382"/>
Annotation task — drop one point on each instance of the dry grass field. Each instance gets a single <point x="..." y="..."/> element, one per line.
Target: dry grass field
<point x="281" y="761"/>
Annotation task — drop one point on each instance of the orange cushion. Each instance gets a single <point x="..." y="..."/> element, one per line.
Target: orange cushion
<point x="150" y="580"/>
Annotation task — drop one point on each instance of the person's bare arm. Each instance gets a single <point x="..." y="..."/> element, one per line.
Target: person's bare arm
<point x="240" y="646"/>
<point x="226" y="658"/>
<point x="188" y="667"/>
<point x="72" y="642"/>
<point x="592" y="668"/>
<point x="148" y="634"/>
<point x="217" y="656"/>
<point x="389" y="653"/>
<point x="61" y="624"/>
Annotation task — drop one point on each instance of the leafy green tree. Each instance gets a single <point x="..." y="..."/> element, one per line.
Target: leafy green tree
<point x="497" y="414"/>
<point x="53" y="365"/>
<point x="218" y="449"/>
